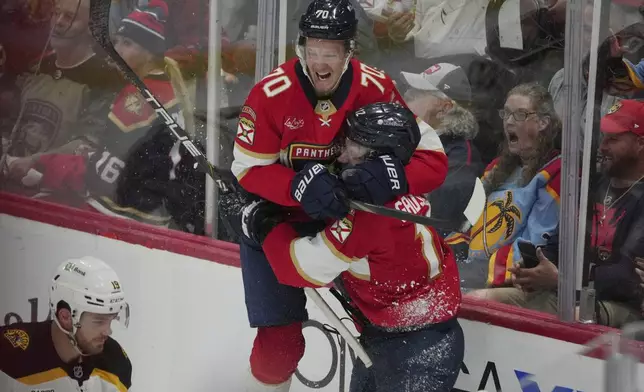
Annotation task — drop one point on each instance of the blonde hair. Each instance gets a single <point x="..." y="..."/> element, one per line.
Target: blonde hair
<point x="181" y="92"/>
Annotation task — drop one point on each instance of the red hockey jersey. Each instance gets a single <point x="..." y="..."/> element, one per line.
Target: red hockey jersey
<point x="399" y="274"/>
<point x="283" y="125"/>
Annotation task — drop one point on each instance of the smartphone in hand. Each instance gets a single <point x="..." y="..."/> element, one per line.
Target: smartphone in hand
<point x="529" y="254"/>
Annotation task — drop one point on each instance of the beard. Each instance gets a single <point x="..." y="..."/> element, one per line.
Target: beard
<point x="619" y="167"/>
<point x="89" y="347"/>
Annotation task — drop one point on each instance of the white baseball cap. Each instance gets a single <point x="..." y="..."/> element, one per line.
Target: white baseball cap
<point x="448" y="78"/>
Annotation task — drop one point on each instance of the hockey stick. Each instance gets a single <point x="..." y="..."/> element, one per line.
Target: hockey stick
<point x="469" y="217"/>
<point x="225" y="180"/>
<point x="342" y="329"/>
<point x="99" y="27"/>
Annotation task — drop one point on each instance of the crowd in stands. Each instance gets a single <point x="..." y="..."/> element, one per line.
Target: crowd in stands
<point x="488" y="76"/>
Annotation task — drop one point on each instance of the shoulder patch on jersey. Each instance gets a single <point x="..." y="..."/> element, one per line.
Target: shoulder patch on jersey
<point x="18" y="338"/>
<point x="133" y="103"/>
<point x="341" y="229"/>
<point x="248" y="110"/>
<point x="246" y="131"/>
<point x="130" y="111"/>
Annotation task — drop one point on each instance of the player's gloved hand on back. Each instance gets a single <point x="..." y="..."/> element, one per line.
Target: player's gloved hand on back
<point x="376" y="181"/>
<point x="259" y="218"/>
<point x="320" y="193"/>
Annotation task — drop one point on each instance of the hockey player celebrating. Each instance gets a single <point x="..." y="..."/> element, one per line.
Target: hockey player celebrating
<point x="400" y="275"/>
<point x="73" y="351"/>
<point x="292" y="120"/>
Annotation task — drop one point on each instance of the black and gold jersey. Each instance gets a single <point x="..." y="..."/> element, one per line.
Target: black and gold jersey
<point x="29" y="362"/>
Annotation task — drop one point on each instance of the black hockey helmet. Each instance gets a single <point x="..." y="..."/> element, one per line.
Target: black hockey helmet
<point x="386" y="128"/>
<point x="329" y="19"/>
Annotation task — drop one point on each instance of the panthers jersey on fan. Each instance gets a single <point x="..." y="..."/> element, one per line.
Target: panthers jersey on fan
<point x="135" y="165"/>
<point x="284" y="122"/>
<point x="60" y="104"/>
<point x="29" y="362"/>
<point x="399" y="274"/>
<point x="513" y="213"/>
<point x="130" y="173"/>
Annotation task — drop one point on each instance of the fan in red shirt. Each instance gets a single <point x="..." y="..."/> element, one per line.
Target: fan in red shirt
<point x="400" y="275"/>
<point x="292" y="121"/>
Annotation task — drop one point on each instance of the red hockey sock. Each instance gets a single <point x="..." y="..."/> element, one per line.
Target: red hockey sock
<point x="276" y="353"/>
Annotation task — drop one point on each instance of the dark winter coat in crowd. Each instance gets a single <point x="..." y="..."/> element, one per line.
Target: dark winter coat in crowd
<point x="458" y="129"/>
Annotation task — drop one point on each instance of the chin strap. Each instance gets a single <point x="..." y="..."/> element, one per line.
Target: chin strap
<point x="71" y="336"/>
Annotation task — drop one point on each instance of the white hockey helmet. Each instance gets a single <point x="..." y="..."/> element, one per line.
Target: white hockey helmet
<point x="88" y="284"/>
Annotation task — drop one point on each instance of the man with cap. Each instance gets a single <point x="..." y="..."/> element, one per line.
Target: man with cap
<point x="617" y="230"/>
<point x="435" y="95"/>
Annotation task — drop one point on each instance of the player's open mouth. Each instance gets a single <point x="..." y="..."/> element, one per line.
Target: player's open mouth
<point x="323" y="76"/>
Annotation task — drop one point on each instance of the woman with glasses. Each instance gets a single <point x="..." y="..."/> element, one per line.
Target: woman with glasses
<point x="522" y="185"/>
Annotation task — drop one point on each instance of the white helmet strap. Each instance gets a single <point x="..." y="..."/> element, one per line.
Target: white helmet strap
<point x="71" y="335"/>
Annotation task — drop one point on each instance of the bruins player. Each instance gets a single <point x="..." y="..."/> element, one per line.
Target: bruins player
<point x="74" y="352"/>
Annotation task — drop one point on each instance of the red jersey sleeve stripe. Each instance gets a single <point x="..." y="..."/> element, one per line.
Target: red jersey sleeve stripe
<point x="245" y="159"/>
<point x="500" y="261"/>
<point x="303" y="262"/>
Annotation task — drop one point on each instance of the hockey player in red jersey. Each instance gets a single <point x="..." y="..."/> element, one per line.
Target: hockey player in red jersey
<point x="72" y="351"/>
<point x="131" y="171"/>
<point x="292" y="120"/>
<point x="400" y="275"/>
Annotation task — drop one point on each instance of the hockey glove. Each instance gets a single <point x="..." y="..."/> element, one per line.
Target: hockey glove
<point x="259" y="218"/>
<point x="320" y="194"/>
<point x="376" y="181"/>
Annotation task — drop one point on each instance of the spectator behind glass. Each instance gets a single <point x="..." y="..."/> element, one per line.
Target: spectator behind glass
<point x="24" y="29"/>
<point x="626" y="42"/>
<point x="440" y="28"/>
<point x="65" y="99"/>
<point x="434" y="96"/>
<point x="522" y="187"/>
<point x="138" y="170"/>
<point x="243" y="51"/>
<point x="617" y="230"/>
<point x="447" y="27"/>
